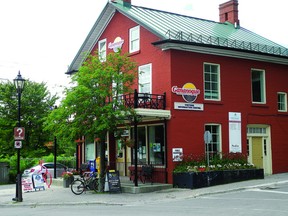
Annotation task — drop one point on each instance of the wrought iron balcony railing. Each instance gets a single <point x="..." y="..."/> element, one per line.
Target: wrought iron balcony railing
<point x="145" y="100"/>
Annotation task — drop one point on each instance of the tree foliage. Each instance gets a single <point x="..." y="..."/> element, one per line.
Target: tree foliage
<point x="93" y="105"/>
<point x="36" y="102"/>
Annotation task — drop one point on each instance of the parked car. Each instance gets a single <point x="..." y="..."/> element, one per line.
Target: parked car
<point x="60" y="168"/>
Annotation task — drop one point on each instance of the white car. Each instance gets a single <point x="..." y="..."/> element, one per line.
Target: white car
<point x="46" y="167"/>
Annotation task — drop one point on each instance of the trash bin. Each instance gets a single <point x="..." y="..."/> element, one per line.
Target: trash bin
<point x="92" y="165"/>
<point x="4" y="172"/>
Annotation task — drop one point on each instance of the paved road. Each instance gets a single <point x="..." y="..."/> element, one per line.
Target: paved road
<point x="254" y="201"/>
<point x="59" y="196"/>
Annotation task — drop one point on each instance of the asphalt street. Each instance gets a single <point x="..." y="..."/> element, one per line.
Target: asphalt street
<point x="59" y="196"/>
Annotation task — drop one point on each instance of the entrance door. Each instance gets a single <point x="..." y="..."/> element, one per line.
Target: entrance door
<point x="257" y="152"/>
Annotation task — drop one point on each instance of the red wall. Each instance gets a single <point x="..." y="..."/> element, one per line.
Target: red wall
<point x="186" y="128"/>
<point x="119" y="27"/>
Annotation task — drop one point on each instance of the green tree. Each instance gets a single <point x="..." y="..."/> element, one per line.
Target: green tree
<point x="93" y="106"/>
<point x="36" y="101"/>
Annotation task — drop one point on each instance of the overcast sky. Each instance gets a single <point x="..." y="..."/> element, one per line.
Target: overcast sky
<point x="41" y="37"/>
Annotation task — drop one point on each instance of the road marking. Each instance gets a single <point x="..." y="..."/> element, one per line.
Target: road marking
<point x="267" y="191"/>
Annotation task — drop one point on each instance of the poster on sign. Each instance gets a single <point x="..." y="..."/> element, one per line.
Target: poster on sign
<point x="38" y="181"/>
<point x="177" y="154"/>
<point x="27" y="184"/>
<point x="235" y="132"/>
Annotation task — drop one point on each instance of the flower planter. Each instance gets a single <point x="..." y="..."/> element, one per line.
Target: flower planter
<point x="210" y="178"/>
<point x="67" y="181"/>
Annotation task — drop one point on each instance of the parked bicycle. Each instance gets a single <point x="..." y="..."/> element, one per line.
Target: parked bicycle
<point x="88" y="181"/>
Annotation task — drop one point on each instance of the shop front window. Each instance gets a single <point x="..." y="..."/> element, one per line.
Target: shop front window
<point x="151" y="146"/>
<point x="156" y="144"/>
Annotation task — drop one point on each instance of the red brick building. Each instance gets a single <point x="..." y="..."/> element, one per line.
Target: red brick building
<point x="197" y="75"/>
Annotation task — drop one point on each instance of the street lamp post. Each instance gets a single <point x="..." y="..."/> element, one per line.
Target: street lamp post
<point x="19" y="84"/>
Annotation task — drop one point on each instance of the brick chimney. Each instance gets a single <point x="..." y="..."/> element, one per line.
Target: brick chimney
<point x="229" y="12"/>
<point x="127" y="3"/>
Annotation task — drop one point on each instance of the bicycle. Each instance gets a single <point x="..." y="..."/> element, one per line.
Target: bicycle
<point x="88" y="181"/>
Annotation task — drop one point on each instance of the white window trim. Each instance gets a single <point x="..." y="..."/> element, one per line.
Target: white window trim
<point x="219" y="82"/>
<point x="285" y="98"/>
<point x="99" y="49"/>
<point x="139" y="69"/>
<point x="136" y="28"/>
<point x="264" y="87"/>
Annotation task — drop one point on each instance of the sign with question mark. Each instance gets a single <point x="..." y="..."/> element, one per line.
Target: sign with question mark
<point x="19" y="133"/>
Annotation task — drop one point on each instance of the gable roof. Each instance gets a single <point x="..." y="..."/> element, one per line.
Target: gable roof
<point x="180" y="29"/>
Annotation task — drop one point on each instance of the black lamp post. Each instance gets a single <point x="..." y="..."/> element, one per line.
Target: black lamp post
<point x="55" y="154"/>
<point x="19" y="85"/>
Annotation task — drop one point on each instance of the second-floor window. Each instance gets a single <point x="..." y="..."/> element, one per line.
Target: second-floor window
<point x="211" y="82"/>
<point x="134" y="39"/>
<point x="282" y="102"/>
<point x="102" y="50"/>
<point x="145" y="78"/>
<point x="258" y="86"/>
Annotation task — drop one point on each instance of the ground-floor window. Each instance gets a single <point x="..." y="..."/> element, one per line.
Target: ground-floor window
<point x="214" y="147"/>
<point x="151" y="144"/>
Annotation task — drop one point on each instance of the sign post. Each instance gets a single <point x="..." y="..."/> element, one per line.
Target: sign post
<point x="207" y="140"/>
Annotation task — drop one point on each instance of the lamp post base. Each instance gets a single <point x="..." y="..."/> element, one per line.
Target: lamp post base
<point x="18" y="197"/>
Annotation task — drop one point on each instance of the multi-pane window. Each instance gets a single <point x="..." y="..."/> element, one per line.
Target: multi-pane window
<point x="102" y="49"/>
<point x="134" y="39"/>
<point x="211" y="82"/>
<point x="258" y="86"/>
<point x="214" y="147"/>
<point x="145" y="74"/>
<point x="282" y="102"/>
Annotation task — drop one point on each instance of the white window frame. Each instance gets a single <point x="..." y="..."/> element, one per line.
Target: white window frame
<point x="102" y="50"/>
<point x="209" y="95"/>
<point x="218" y="142"/>
<point x="143" y="71"/>
<point x="134" y="42"/>
<point x="283" y="103"/>
<point x="262" y="87"/>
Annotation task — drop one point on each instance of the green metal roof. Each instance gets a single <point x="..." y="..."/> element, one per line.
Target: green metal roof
<point x="181" y="29"/>
<point x="190" y="29"/>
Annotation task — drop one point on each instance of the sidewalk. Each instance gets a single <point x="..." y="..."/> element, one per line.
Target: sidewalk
<point x="57" y="195"/>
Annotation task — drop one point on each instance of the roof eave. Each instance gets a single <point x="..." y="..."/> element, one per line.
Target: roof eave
<point x="94" y="34"/>
<point x="220" y="51"/>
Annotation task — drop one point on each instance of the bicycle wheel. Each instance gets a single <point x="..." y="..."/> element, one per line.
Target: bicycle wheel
<point x="77" y="187"/>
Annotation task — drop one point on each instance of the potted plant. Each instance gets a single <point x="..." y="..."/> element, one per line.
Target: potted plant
<point x="68" y="178"/>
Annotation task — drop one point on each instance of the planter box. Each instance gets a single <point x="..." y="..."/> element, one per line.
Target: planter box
<point x="67" y="182"/>
<point x="205" y="179"/>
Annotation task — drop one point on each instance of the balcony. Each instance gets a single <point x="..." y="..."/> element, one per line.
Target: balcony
<point x="145" y="100"/>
